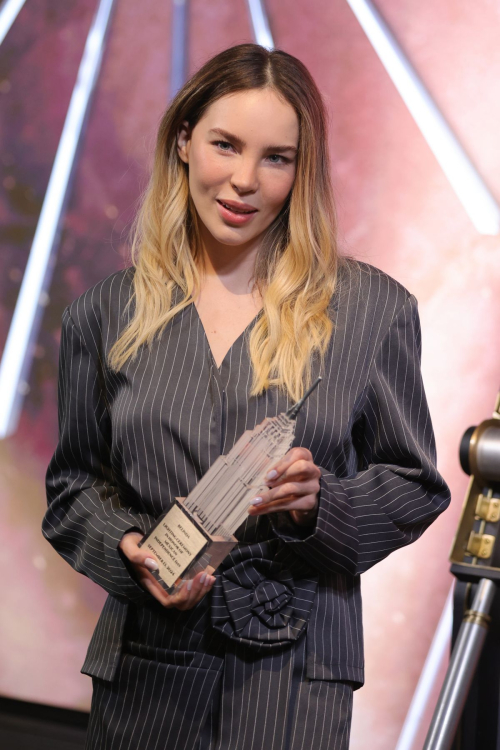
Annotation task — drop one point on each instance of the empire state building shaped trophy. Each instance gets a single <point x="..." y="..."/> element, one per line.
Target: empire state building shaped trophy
<point x="198" y="530"/>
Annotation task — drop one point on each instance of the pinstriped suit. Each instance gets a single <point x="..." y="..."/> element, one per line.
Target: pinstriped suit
<point x="130" y="441"/>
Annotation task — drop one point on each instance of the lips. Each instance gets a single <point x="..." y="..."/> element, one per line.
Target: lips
<point x="235" y="208"/>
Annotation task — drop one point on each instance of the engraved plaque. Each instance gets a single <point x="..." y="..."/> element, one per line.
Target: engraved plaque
<point x="175" y="542"/>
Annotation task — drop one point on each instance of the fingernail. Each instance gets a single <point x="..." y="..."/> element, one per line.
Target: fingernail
<point x="202" y="579"/>
<point x="256" y="501"/>
<point x="208" y="581"/>
<point x="273" y="473"/>
<point x="150" y="563"/>
<point x="189" y="584"/>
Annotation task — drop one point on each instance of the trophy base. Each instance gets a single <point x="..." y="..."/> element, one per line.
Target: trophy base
<point x="183" y="548"/>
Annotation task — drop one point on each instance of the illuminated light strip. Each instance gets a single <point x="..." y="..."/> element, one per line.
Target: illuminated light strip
<point x="18" y="352"/>
<point x="425" y="686"/>
<point x="261" y="31"/>
<point x="468" y="185"/>
<point x="179" y="46"/>
<point x="8" y="14"/>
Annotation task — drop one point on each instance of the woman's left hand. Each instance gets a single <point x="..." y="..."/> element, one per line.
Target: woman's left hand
<point x="294" y="488"/>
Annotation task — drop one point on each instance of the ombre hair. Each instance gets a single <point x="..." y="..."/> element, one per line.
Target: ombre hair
<point x="296" y="267"/>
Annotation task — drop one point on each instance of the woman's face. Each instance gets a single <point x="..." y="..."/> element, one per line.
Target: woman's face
<point x="243" y="151"/>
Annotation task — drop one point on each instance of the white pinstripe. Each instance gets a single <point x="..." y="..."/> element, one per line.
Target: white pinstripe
<point x="131" y="441"/>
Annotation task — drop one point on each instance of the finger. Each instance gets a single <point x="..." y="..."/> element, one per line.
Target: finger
<point x="129" y="541"/>
<point x="205" y="585"/>
<point x="200" y="587"/>
<point x="297" y="489"/>
<point x="305" y="503"/>
<point x="191" y="589"/>
<point x="138" y="555"/>
<point x="186" y="597"/>
<point x="294" y="454"/>
<point x="194" y="586"/>
<point x="154" y="588"/>
<point x="181" y="597"/>
<point x="299" y="471"/>
<point x="304" y="518"/>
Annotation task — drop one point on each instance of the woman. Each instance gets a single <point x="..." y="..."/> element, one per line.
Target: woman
<point x="236" y="300"/>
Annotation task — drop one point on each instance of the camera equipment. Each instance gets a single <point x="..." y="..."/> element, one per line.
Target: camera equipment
<point x="475" y="559"/>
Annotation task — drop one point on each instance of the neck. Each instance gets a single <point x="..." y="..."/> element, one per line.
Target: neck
<point x="231" y="266"/>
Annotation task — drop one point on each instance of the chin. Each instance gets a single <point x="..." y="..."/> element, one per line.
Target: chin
<point x="231" y="236"/>
<point x="235" y="241"/>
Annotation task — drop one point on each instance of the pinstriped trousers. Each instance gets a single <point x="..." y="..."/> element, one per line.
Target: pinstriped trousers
<point x="183" y="700"/>
<point x="268" y="702"/>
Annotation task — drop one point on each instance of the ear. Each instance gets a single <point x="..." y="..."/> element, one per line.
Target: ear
<point x="184" y="141"/>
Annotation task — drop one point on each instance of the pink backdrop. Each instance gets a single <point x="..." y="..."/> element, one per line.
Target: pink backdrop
<point x="397" y="211"/>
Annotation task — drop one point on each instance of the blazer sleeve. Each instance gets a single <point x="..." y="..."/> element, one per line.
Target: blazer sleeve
<point x="397" y="491"/>
<point x="86" y="519"/>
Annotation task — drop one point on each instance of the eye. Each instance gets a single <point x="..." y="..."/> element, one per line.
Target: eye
<point x="284" y="160"/>
<point x="222" y="143"/>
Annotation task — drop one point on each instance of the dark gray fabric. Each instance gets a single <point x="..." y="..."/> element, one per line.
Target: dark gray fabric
<point x="264" y="664"/>
<point x="130" y="442"/>
<point x="163" y="698"/>
<point x="263" y="593"/>
<point x="152" y="703"/>
<point x="268" y="702"/>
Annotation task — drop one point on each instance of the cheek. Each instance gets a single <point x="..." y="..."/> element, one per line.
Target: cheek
<point x="275" y="189"/>
<point x="209" y="171"/>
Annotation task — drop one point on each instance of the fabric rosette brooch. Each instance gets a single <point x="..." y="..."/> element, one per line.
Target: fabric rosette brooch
<point x="263" y="595"/>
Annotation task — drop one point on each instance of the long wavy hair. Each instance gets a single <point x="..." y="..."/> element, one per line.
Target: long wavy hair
<point x="296" y="267"/>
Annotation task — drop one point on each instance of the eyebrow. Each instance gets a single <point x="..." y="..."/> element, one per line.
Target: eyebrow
<point x="241" y="143"/>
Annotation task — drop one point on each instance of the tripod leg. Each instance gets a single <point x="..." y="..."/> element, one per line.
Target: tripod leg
<point x="461" y="670"/>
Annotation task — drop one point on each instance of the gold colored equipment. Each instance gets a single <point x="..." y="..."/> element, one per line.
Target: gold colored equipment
<point x="475" y="558"/>
<point x="473" y="552"/>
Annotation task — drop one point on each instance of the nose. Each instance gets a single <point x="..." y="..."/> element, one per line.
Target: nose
<point x="244" y="178"/>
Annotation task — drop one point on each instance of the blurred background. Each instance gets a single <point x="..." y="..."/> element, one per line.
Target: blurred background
<point x="412" y="94"/>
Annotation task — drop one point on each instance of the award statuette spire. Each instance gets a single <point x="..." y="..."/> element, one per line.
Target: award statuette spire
<point x="198" y="531"/>
<point x="294" y="410"/>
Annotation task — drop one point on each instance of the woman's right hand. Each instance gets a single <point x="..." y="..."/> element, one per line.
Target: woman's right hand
<point x="142" y="562"/>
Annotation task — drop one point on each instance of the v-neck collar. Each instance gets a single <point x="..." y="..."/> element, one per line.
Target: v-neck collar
<point x="233" y="345"/>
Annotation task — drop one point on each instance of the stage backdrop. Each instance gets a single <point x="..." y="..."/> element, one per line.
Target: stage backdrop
<point x="397" y="210"/>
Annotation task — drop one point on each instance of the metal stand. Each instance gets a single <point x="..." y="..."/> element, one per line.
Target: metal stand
<point x="460" y="673"/>
<point x="475" y="558"/>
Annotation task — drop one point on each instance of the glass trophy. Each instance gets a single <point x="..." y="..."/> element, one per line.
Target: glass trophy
<point x="197" y="532"/>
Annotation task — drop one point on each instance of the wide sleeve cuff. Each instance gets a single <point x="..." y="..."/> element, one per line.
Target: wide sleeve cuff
<point x="331" y="542"/>
<point x="118" y="565"/>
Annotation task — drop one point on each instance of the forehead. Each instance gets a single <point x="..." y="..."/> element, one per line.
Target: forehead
<point x="255" y="115"/>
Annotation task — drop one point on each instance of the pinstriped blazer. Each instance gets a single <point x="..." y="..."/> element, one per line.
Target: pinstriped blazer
<point x="131" y="441"/>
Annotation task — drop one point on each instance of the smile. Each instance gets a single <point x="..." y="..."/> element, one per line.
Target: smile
<point x="233" y="215"/>
<point x="237" y="210"/>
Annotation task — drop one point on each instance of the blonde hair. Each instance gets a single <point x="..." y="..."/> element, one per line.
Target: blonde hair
<point x="297" y="264"/>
